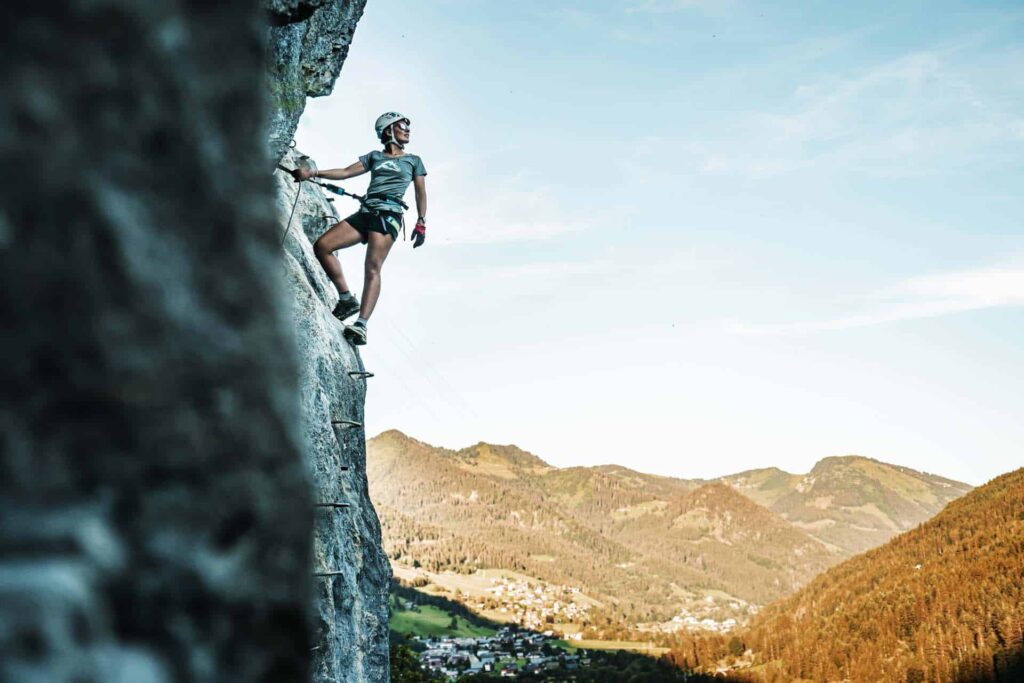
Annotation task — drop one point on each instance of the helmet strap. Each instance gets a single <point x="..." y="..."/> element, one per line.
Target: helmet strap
<point x="392" y="140"/>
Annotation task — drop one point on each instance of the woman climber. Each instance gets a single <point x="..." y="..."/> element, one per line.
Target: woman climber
<point x="378" y="220"/>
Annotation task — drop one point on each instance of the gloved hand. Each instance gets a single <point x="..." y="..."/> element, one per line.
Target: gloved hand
<point x="419" y="234"/>
<point x="300" y="174"/>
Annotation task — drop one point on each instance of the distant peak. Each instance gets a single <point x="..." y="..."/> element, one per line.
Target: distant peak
<point x="716" y="487"/>
<point x="612" y="469"/>
<point x="759" y="472"/>
<point x="717" y="490"/>
<point x="833" y="462"/>
<point x="720" y="498"/>
<point x="510" y="453"/>
<point x="394" y="437"/>
<point x="840" y="459"/>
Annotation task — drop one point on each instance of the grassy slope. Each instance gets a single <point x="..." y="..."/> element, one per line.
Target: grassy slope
<point x="433" y="622"/>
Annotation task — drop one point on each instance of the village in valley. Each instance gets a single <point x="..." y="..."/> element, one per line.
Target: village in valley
<point x="708" y="614"/>
<point x="534" y="604"/>
<point x="509" y="598"/>
<point x="508" y="653"/>
<point x="498" y="624"/>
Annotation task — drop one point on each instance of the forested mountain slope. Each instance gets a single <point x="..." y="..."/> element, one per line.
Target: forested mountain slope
<point x="440" y="516"/>
<point x="943" y="602"/>
<point x="748" y="551"/>
<point x="642" y="544"/>
<point x="647" y="546"/>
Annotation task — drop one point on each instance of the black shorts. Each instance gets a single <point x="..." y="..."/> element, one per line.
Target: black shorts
<point x="384" y="222"/>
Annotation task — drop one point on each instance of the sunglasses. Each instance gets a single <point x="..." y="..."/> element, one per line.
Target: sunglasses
<point x="402" y="125"/>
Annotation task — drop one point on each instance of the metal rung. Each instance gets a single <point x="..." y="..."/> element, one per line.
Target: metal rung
<point x="333" y="505"/>
<point x="328" y="573"/>
<point x="360" y="374"/>
<point x="347" y="423"/>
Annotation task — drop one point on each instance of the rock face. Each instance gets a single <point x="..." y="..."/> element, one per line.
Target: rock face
<point x="155" y="510"/>
<point x="307" y="45"/>
<point x="351" y="606"/>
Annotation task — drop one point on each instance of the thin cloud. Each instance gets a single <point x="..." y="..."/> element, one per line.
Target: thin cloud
<point x="914" y="115"/>
<point x="925" y="296"/>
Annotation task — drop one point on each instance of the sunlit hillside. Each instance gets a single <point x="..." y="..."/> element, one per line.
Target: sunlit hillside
<point x="654" y="552"/>
<point x="943" y="602"/>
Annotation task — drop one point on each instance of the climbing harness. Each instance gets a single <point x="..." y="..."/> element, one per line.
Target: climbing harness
<point x="338" y="190"/>
<point x="375" y="212"/>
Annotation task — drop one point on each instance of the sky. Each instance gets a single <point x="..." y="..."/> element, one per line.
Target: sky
<point x="695" y="237"/>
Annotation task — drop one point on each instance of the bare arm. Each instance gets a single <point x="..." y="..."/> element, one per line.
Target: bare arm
<point x="331" y="173"/>
<point x="420" y="185"/>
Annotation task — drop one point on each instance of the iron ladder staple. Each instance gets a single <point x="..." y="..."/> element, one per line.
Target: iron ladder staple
<point x="330" y="505"/>
<point x="335" y="506"/>
<point x="345" y="423"/>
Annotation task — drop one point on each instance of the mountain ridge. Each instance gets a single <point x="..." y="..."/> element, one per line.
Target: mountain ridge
<point x="848" y="502"/>
<point x="852" y="502"/>
<point x="628" y="537"/>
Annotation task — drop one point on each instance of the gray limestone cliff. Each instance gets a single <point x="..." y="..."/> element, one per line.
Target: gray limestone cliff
<point x="308" y="42"/>
<point x="351" y="606"/>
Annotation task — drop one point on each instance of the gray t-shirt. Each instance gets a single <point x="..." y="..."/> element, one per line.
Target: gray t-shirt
<point x="390" y="176"/>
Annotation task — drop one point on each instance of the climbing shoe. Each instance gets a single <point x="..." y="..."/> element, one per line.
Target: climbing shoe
<point x="356" y="333"/>
<point x="347" y="305"/>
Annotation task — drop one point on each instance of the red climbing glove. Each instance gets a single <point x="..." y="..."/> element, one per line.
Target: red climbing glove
<point x="419" y="233"/>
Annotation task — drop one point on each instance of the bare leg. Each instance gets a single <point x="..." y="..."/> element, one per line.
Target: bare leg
<point x="379" y="246"/>
<point x="341" y="236"/>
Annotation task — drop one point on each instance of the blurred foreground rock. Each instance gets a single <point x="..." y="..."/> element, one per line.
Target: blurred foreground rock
<point x="155" y="511"/>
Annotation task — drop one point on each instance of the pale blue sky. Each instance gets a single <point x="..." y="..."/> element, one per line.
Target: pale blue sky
<point x="694" y="237"/>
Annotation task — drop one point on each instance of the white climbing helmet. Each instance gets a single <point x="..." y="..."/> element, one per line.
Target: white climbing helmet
<point x="384" y="121"/>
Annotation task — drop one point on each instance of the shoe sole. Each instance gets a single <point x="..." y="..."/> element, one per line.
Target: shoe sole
<point x="346" y="314"/>
<point x="354" y="338"/>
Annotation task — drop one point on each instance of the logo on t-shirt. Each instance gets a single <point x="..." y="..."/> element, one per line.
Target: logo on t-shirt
<point x="389" y="165"/>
